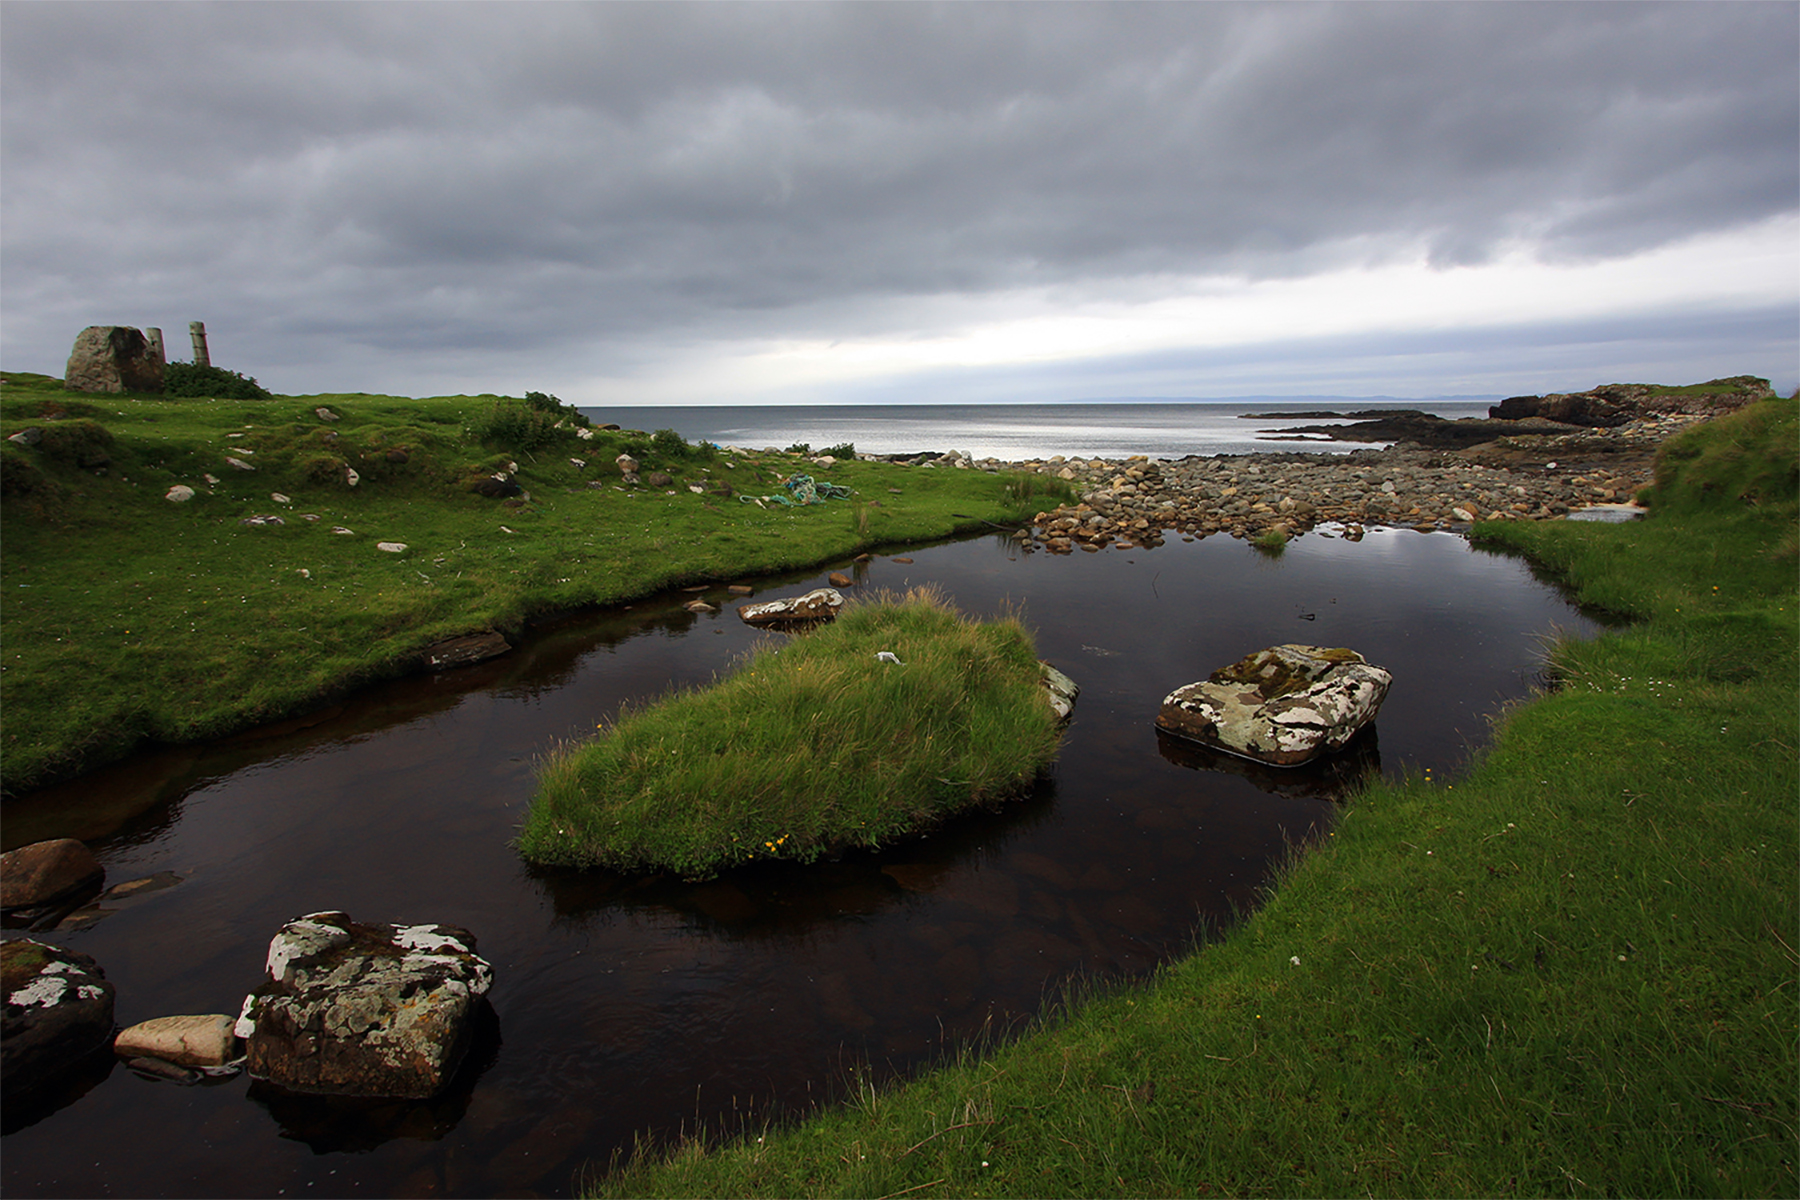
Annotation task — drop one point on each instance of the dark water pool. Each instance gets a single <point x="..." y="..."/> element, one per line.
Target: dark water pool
<point x="632" y="1006"/>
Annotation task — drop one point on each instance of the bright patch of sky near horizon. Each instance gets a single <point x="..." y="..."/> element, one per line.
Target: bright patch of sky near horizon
<point x="872" y="203"/>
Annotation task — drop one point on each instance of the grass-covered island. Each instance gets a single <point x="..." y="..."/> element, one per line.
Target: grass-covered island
<point x="132" y="617"/>
<point x="891" y="718"/>
<point x="1573" y="972"/>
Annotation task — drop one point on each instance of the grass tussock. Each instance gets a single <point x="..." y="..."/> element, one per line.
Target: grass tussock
<point x="1572" y="972"/>
<point x="812" y="745"/>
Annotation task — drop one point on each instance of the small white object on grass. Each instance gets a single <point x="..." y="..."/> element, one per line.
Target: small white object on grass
<point x="888" y="656"/>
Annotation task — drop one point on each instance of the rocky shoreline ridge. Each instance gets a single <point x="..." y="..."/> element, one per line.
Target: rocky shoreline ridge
<point x="1435" y="474"/>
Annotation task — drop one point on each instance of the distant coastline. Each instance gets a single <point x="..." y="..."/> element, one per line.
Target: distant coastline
<point x="1019" y="432"/>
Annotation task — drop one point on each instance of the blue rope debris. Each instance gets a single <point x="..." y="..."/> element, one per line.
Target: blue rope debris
<point x="800" y="489"/>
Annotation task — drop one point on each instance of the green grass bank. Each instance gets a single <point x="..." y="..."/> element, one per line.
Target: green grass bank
<point x="131" y="618"/>
<point x="1572" y="972"/>
<point x="809" y="747"/>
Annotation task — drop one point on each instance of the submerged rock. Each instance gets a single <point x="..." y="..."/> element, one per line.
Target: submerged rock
<point x="820" y="604"/>
<point x="1283" y="706"/>
<point x="461" y="651"/>
<point x="58" y="1010"/>
<point x="44" y="872"/>
<point x="364" y="1010"/>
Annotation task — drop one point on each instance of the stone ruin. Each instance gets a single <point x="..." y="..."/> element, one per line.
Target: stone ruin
<point x="115" y="358"/>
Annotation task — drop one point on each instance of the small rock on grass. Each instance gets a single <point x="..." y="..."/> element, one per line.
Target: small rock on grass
<point x="391" y="547"/>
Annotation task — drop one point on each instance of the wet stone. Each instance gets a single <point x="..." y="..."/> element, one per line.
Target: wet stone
<point x="356" y="1009"/>
<point x="58" y="1009"/>
<point x="45" y="872"/>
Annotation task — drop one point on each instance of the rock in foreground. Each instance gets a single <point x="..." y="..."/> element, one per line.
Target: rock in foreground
<point x="58" y="1009"/>
<point x="1283" y="706"/>
<point x="364" y="1010"/>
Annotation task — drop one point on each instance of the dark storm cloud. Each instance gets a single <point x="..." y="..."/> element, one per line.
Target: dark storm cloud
<point x="484" y="181"/>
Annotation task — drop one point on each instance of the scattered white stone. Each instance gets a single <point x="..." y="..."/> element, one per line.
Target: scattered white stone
<point x="234" y="435"/>
<point x="342" y="530"/>
<point x="239" y="463"/>
<point x="181" y="493"/>
<point x="278" y="498"/>
<point x="325" y="414"/>
<point x="586" y="435"/>
<point x="391" y="547"/>
<point x="578" y="463"/>
<point x="304" y="573"/>
<point x="351" y="477"/>
<point x="696" y="489"/>
<point x="504" y="529"/>
<point x="211" y="479"/>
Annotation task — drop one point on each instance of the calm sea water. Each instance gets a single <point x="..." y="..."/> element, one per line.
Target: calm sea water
<point x="1017" y="432"/>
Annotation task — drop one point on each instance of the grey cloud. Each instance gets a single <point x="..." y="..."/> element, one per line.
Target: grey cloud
<point x="532" y="178"/>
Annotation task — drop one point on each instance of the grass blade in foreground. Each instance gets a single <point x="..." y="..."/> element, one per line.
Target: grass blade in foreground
<point x="812" y="745"/>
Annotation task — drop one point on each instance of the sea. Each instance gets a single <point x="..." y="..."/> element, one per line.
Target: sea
<point x="1023" y="432"/>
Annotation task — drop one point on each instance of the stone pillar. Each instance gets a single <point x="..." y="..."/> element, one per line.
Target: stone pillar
<point x="197" y="331"/>
<point x="153" y="336"/>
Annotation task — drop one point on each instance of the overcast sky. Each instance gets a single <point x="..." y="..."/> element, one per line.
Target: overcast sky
<point x="859" y="203"/>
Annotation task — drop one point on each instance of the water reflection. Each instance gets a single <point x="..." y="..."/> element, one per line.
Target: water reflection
<point x="1332" y="777"/>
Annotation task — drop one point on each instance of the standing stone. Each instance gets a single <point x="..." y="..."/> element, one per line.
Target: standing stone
<point x="112" y="358"/>
<point x="197" y="331"/>
<point x="154" y="338"/>
<point x="47" y="871"/>
<point x="354" y="1009"/>
<point x="58" y="1010"/>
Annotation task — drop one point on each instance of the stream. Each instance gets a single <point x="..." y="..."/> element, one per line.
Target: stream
<point x="643" y="1007"/>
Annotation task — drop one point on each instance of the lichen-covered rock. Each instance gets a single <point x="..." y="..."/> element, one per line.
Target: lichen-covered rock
<point x="820" y="604"/>
<point x="44" y="872"/>
<point x="363" y="1010"/>
<point x="1059" y="689"/>
<point x="1282" y="706"/>
<point x="58" y="1009"/>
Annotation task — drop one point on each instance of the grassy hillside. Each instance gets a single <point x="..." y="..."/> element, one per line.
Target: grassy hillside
<point x="1573" y="972"/>
<point x="130" y="617"/>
